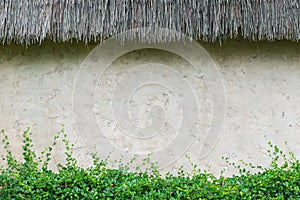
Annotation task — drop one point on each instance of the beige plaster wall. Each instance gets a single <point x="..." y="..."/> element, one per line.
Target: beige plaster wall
<point x="261" y="80"/>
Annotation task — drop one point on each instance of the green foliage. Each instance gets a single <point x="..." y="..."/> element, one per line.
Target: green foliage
<point x="32" y="179"/>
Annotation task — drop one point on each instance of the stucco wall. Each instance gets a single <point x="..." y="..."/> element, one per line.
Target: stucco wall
<point x="261" y="81"/>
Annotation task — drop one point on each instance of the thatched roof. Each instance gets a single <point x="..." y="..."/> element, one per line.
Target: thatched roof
<point x="28" y="21"/>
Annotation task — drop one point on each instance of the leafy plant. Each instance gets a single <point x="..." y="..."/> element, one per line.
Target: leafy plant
<point x="31" y="178"/>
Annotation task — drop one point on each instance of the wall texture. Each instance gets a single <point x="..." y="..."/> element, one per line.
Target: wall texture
<point x="261" y="80"/>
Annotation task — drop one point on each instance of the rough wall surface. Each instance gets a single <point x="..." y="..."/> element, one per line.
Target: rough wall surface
<point x="262" y="83"/>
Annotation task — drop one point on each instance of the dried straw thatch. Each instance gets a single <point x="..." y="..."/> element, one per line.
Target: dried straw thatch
<point x="28" y="21"/>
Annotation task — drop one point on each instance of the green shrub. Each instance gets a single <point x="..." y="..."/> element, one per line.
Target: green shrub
<point x="31" y="178"/>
